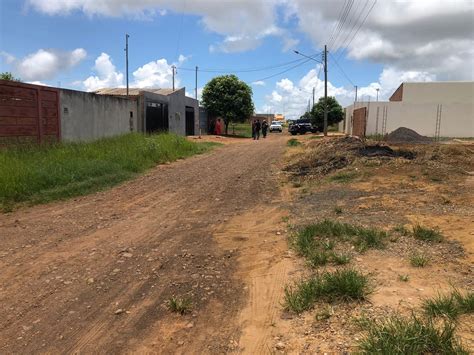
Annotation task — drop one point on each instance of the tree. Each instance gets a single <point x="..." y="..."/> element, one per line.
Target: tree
<point x="335" y="113"/>
<point x="8" y="76"/>
<point x="228" y="97"/>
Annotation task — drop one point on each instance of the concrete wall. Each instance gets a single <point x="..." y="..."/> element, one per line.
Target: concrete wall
<point x="438" y="92"/>
<point x="457" y="119"/>
<point x="87" y="116"/>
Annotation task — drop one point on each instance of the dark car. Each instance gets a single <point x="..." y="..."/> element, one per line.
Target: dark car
<point x="301" y="126"/>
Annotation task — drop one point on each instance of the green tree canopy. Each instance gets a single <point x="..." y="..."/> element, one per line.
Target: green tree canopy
<point x="8" y="76"/>
<point x="335" y="113"/>
<point x="228" y="97"/>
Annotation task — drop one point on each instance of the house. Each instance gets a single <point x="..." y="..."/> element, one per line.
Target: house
<point x="433" y="109"/>
<point x="269" y="117"/>
<point x="161" y="110"/>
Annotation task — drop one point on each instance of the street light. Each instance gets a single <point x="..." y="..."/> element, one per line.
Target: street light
<point x="325" y="65"/>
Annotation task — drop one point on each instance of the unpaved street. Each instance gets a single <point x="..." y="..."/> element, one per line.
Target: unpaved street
<point x="93" y="274"/>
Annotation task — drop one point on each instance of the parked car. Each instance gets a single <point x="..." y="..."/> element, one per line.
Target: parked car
<point x="276" y="127"/>
<point x="301" y="126"/>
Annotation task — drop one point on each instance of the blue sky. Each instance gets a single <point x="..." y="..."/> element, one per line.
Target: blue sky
<point x="80" y="44"/>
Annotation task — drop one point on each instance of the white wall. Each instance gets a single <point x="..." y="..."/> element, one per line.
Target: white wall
<point x="457" y="119"/>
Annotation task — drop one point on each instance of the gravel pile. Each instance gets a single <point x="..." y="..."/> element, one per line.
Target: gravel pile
<point x="406" y="135"/>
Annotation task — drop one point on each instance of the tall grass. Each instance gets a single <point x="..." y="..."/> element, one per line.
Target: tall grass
<point x="38" y="174"/>
<point x="449" y="305"/>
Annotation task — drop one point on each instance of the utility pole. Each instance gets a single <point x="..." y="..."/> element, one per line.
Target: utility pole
<point x="313" y="95"/>
<point x="126" y="58"/>
<point x="174" y="69"/>
<point x="377" y="94"/>
<point x="196" y="89"/>
<point x="355" y="100"/>
<point x="325" y="90"/>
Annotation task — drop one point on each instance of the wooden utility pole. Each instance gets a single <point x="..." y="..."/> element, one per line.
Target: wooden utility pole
<point x="126" y="58"/>
<point x="313" y="95"/>
<point x="325" y="90"/>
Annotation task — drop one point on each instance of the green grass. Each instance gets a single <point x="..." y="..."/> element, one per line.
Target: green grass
<point x="243" y="130"/>
<point x="179" y="305"/>
<point x="343" y="177"/>
<point x="403" y="278"/>
<point x="419" y="260"/>
<point x="311" y="241"/>
<point x="38" y="174"/>
<point x="340" y="285"/>
<point x="412" y="335"/>
<point x="449" y="305"/>
<point x="341" y="259"/>
<point x="293" y="142"/>
<point x="338" y="210"/>
<point x="401" y="229"/>
<point x="427" y="234"/>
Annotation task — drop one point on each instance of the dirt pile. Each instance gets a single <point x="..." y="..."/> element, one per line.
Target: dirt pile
<point x="326" y="156"/>
<point x="406" y="135"/>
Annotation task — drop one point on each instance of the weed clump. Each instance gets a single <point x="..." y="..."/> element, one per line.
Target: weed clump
<point x="344" y="285"/>
<point x="412" y="335"/>
<point x="450" y="305"/>
<point x="179" y="305"/>
<point x="419" y="260"/>
<point x="293" y="142"/>
<point x="427" y="234"/>
<point x="343" y="177"/>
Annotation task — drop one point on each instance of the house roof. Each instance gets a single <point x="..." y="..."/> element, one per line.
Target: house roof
<point x="133" y="91"/>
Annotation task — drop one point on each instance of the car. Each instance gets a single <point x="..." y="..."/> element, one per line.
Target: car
<point x="276" y="127"/>
<point x="301" y="126"/>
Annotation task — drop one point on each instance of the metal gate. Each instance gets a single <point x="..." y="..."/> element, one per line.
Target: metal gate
<point x="359" y="120"/>
<point x="28" y="113"/>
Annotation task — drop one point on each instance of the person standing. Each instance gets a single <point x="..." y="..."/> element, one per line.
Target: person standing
<point x="257" y="129"/>
<point x="253" y="128"/>
<point x="264" y="129"/>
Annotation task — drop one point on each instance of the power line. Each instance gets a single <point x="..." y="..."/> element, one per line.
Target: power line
<point x="284" y="71"/>
<point x="341" y="44"/>
<point x="362" y="23"/>
<point x="247" y="70"/>
<point x="343" y="21"/>
<point x="337" y="22"/>
<point x="342" y="70"/>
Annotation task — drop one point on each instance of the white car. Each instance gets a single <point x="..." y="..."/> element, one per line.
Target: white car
<point x="276" y="127"/>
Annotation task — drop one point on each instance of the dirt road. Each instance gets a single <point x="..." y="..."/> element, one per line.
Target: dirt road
<point x="93" y="274"/>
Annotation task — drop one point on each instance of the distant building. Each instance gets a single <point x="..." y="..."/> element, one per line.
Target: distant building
<point x="279" y="117"/>
<point x="443" y="109"/>
<point x="162" y="110"/>
<point x="269" y="117"/>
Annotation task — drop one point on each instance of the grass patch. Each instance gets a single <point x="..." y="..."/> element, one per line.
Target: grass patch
<point x="450" y="305"/>
<point x="343" y="177"/>
<point x="401" y="229"/>
<point x="179" y="305"/>
<point x="310" y="241"/>
<point x="419" y="260"/>
<point x="337" y="210"/>
<point x="39" y="174"/>
<point x="397" y="335"/>
<point x="242" y="130"/>
<point x="427" y="234"/>
<point x="293" y="142"/>
<point x="341" y="259"/>
<point x="340" y="285"/>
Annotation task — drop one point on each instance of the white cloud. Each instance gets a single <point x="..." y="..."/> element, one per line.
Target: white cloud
<point x="107" y="75"/>
<point x="44" y="64"/>
<point x="418" y="36"/>
<point x="258" y="83"/>
<point x="155" y="74"/>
